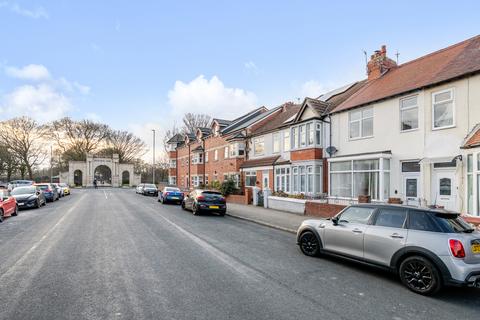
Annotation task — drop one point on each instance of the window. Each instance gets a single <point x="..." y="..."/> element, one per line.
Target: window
<point x="302" y="179"/>
<point x="173" y="163"/>
<point x="311" y="133"/>
<point x="237" y="149"/>
<point x="318" y="134"/>
<point x="411" y="166"/>
<point x="310" y="179"/>
<point x="408" y="113"/>
<point x="206" y="156"/>
<point x="197" y="158"/>
<point x="349" y="179"/>
<point x="295" y="179"/>
<point x="215" y="154"/>
<point x="470" y="183"/>
<point x="286" y="140"/>
<point x="303" y="136"/>
<point x="443" y="109"/>
<point x="361" y="123"/>
<point x="294" y="138"/>
<point x="282" y="179"/>
<point x="393" y="218"/>
<point x="445" y="186"/>
<point x="250" y="178"/>
<point x="276" y="142"/>
<point x="258" y="146"/>
<point x="419" y="220"/>
<point x="225" y="153"/>
<point x="356" y="215"/>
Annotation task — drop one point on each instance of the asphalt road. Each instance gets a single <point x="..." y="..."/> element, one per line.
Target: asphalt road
<point x="112" y="254"/>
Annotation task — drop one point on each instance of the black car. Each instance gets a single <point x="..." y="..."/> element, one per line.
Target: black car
<point x="29" y="197"/>
<point x="149" y="189"/>
<point x="206" y="201"/>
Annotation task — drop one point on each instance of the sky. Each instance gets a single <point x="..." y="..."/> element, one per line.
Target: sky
<point x="140" y="65"/>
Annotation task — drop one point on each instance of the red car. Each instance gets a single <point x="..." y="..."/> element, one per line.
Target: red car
<point x="8" y="205"/>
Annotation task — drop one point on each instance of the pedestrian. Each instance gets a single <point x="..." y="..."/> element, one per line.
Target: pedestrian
<point x="95" y="183"/>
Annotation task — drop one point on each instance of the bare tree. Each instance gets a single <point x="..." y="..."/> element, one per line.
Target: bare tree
<point x="128" y="146"/>
<point x="192" y="121"/>
<point x="77" y="138"/>
<point x="25" y="138"/>
<point x="8" y="162"/>
<point x="168" y="135"/>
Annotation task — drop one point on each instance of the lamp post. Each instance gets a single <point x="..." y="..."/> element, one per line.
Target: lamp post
<point x="51" y="164"/>
<point x="153" y="167"/>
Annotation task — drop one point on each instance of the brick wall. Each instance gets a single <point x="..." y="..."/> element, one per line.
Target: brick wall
<point x="323" y="210"/>
<point x="306" y="154"/>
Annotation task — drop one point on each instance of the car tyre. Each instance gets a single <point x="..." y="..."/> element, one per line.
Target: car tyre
<point x="420" y="275"/>
<point x="221" y="214"/>
<point x="195" y="210"/>
<point x="309" y="244"/>
<point x="183" y="205"/>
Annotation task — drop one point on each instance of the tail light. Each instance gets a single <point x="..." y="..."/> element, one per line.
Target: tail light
<point x="200" y="198"/>
<point x="456" y="247"/>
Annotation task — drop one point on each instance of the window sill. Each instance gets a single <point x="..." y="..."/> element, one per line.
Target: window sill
<point x="409" y="130"/>
<point x="443" y="128"/>
<point x="360" y="138"/>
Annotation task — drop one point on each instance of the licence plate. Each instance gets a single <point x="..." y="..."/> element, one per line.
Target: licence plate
<point x="20" y="203"/>
<point x="476" y="248"/>
<point x="214" y="207"/>
<point x="175" y="198"/>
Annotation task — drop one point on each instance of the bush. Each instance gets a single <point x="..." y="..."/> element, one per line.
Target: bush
<point x="215" y="184"/>
<point x="228" y="187"/>
<point x="280" y="193"/>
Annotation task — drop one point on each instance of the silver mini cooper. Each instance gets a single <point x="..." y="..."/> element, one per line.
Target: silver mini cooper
<point x="426" y="248"/>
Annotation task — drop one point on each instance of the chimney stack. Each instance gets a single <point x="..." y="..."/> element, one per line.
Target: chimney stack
<point x="379" y="64"/>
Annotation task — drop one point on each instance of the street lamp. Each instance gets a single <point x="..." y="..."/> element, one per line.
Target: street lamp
<point x="153" y="168"/>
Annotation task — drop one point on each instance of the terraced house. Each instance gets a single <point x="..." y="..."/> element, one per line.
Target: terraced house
<point x="411" y="131"/>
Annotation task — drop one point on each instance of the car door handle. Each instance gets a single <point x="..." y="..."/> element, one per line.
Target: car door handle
<point x="396" y="236"/>
<point x="357" y="230"/>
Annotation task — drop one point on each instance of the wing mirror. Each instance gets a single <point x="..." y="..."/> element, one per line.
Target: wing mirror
<point x="335" y="220"/>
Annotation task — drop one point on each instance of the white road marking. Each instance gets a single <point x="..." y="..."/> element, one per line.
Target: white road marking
<point x="105" y="193"/>
<point x="39" y="242"/>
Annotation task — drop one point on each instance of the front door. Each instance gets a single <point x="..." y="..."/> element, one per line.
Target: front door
<point x="265" y="179"/>
<point x="411" y="189"/>
<point x="445" y="192"/>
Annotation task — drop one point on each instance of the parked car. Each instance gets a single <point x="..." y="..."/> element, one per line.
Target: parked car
<point x="59" y="190"/>
<point x="149" y="189"/>
<point x="205" y="200"/>
<point x="170" y="194"/>
<point x="66" y="188"/>
<point x="8" y="205"/>
<point x="139" y="188"/>
<point x="29" y="197"/>
<point x="20" y="183"/>
<point x="50" y="192"/>
<point x="427" y="248"/>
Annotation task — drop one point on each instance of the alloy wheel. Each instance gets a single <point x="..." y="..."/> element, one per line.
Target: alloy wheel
<point x="309" y="244"/>
<point x="419" y="275"/>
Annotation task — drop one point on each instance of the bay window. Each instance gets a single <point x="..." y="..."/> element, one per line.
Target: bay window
<point x="258" y="146"/>
<point x="282" y="179"/>
<point x="306" y="179"/>
<point x="352" y="178"/>
<point x="361" y="123"/>
<point x="306" y="135"/>
<point x="303" y="136"/>
<point x="443" y="109"/>
<point x="294" y="137"/>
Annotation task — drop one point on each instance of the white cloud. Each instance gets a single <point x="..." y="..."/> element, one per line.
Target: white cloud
<point x="36" y="13"/>
<point x="48" y="98"/>
<point x="33" y="72"/>
<point x="313" y="89"/>
<point x="40" y="102"/>
<point x="210" y="97"/>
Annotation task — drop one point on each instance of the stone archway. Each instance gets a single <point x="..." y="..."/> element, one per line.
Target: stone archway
<point x="125" y="178"/>
<point x="103" y="175"/>
<point x="78" y="178"/>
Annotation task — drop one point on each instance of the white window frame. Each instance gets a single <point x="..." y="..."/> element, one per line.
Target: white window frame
<point x="286" y="140"/>
<point x="250" y="174"/>
<point x="360" y="121"/>
<point x="406" y="109"/>
<point x="215" y="153"/>
<point x="452" y="94"/>
<point x="225" y="153"/>
<point x="206" y="156"/>
<point x="256" y="141"/>
<point x="276" y="142"/>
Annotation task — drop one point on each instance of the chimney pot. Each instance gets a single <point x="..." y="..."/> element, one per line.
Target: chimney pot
<point x="379" y="63"/>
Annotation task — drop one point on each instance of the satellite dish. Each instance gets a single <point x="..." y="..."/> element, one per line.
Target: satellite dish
<point x="331" y="150"/>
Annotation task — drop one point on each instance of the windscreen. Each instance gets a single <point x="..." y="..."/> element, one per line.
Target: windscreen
<point x="23" y="190"/>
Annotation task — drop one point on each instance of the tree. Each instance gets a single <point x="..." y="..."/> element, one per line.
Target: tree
<point x="193" y="121"/>
<point x="126" y="145"/>
<point x="8" y="162"/>
<point x="25" y="137"/>
<point x="77" y="138"/>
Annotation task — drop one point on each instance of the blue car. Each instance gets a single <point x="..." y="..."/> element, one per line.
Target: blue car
<point x="170" y="194"/>
<point x="49" y="191"/>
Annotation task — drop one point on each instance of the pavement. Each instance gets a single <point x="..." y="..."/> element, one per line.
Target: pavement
<point x="268" y="217"/>
<point x="113" y="254"/>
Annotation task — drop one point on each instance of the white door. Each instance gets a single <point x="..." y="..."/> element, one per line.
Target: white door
<point x="445" y="189"/>
<point x="411" y="189"/>
<point x="265" y="179"/>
